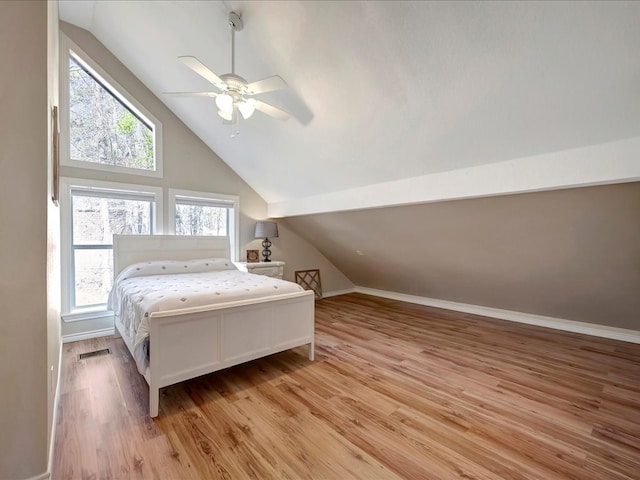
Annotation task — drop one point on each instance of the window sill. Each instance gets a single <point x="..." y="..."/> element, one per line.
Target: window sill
<point x="81" y="315"/>
<point x="155" y="173"/>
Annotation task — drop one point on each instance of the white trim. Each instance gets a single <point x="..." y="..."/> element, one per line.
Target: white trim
<point x="83" y="316"/>
<point x="234" y="222"/>
<point x="632" y="336"/>
<point x="68" y="183"/>
<point x="41" y="476"/>
<point x="66" y="46"/>
<point x="54" y="417"/>
<point x="607" y="163"/>
<point x="335" y="293"/>
<point x="76" y="337"/>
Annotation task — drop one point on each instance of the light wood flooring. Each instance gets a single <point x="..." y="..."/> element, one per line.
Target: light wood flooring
<point x="396" y="391"/>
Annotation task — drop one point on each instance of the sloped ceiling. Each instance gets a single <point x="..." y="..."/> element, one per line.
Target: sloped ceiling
<point x="387" y="92"/>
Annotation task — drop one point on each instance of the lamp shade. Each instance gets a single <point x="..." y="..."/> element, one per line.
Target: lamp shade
<point x="266" y="229"/>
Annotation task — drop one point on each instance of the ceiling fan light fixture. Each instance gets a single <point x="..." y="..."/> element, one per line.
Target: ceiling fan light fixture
<point x="247" y="107"/>
<point x="232" y="98"/>
<point x="226" y="114"/>
<point x="224" y="101"/>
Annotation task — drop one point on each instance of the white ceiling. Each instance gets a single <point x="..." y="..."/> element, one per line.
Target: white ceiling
<point x="385" y="91"/>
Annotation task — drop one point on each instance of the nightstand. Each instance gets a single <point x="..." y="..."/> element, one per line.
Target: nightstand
<point x="273" y="269"/>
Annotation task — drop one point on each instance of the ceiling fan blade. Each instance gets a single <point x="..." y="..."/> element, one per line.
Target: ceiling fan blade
<point x="194" y="64"/>
<point x="268" y="84"/>
<point x="271" y="110"/>
<point x="191" y="94"/>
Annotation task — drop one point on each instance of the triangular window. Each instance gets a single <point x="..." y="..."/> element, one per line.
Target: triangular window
<point x="104" y="128"/>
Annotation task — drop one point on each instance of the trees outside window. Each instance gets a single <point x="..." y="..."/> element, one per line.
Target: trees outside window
<point x="95" y="217"/>
<point x="201" y="220"/>
<point x="204" y="213"/>
<point x="102" y="128"/>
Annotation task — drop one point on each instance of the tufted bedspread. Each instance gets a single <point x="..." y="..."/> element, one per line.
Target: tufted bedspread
<point x="145" y="288"/>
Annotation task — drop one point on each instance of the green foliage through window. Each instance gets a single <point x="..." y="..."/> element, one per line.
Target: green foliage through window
<point x="101" y="128"/>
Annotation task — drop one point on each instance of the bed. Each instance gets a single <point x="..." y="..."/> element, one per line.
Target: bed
<point x="189" y="335"/>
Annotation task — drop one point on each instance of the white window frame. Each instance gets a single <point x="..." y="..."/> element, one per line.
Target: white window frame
<point x="214" y="199"/>
<point x="68" y="47"/>
<point x="66" y="186"/>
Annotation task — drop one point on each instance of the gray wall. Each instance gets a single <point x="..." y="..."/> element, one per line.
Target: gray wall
<point x="571" y="254"/>
<point x="29" y="327"/>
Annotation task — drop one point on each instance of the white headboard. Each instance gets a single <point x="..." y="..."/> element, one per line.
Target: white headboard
<point x="129" y="249"/>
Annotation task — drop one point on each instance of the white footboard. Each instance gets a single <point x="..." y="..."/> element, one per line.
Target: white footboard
<point x="193" y="343"/>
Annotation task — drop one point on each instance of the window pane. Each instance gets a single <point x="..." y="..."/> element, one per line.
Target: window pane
<point x="201" y="220"/>
<point x="96" y="219"/>
<point x="101" y="129"/>
<point x="93" y="276"/>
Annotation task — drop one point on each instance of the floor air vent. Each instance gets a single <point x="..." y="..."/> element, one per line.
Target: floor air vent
<point x="104" y="351"/>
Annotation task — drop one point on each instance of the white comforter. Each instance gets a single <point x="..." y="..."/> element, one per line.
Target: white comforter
<point x="145" y="288"/>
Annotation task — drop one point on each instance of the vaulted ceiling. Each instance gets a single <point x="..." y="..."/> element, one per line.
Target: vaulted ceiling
<point x="390" y="97"/>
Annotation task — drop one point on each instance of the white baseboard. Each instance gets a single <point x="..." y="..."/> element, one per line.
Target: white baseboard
<point x="76" y="337"/>
<point x="41" y="476"/>
<point x="54" y="420"/>
<point x="335" y="293"/>
<point x="596" y="330"/>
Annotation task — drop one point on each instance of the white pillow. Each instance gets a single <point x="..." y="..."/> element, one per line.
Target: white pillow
<point x="161" y="267"/>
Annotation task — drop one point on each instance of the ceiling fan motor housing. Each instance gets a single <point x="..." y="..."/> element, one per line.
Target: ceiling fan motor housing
<point x="234" y="83"/>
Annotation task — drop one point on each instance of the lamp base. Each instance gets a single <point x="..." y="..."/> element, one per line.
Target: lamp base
<point x="266" y="253"/>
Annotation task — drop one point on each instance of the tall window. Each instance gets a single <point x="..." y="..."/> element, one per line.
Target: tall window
<point x="105" y="127"/>
<point x="201" y="213"/>
<point x="96" y="211"/>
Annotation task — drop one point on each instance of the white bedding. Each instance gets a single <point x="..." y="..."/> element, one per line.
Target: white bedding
<point x="144" y="288"/>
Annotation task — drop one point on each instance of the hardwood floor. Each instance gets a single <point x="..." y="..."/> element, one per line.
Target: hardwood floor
<point x="397" y="391"/>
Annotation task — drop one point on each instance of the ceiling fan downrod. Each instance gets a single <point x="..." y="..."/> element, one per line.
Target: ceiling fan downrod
<point x="235" y="24"/>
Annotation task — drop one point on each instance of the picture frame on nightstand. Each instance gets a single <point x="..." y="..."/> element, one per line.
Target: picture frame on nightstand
<point x="253" y="256"/>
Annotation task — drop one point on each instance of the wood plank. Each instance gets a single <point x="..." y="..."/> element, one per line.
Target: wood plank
<point x="397" y="391"/>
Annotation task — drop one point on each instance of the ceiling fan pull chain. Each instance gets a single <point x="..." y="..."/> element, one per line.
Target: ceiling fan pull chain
<point x="235" y="126"/>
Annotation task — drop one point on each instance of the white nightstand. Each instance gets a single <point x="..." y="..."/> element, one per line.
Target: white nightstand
<point x="273" y="269"/>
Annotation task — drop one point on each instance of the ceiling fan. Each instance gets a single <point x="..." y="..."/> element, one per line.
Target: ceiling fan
<point x="235" y="95"/>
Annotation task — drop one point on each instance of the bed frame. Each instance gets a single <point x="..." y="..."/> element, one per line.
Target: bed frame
<point x="190" y="342"/>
